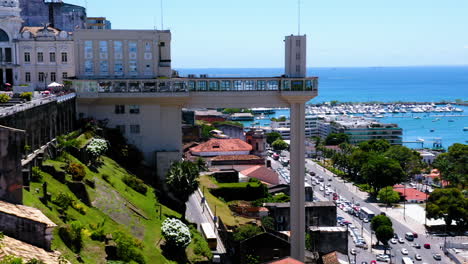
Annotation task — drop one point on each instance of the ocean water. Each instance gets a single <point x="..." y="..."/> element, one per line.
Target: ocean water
<point x="386" y="84"/>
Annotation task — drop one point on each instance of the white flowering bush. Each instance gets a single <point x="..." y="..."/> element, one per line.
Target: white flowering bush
<point x="176" y="233"/>
<point x="97" y="147"/>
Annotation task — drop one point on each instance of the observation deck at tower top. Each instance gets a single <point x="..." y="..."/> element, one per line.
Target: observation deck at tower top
<point x="243" y="91"/>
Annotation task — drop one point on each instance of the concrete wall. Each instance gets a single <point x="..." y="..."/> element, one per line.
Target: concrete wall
<point x="295" y="56"/>
<point x="26" y="230"/>
<point x="11" y="179"/>
<point x="325" y="242"/>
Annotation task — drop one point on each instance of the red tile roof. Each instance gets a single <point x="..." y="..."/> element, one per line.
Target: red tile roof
<point x="330" y="258"/>
<point x="222" y="145"/>
<point x="410" y="193"/>
<point x="237" y="157"/>
<point x="262" y="173"/>
<point x="287" y="260"/>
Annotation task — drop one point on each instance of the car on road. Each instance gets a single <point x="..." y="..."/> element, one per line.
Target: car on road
<point x="415" y="235"/>
<point x="395" y="235"/>
<point x="383" y="258"/>
<point x="416" y="245"/>
<point x="321" y="188"/>
<point x="364" y="262"/>
<point x="427" y="246"/>
<point x="373" y="262"/>
<point x="365" y="220"/>
<point x="311" y="173"/>
<point x="437" y="256"/>
<point x="401" y="241"/>
<point x="409" y="236"/>
<point x="393" y="240"/>
<point x="417" y="257"/>
<point x="404" y="251"/>
<point x="353" y="251"/>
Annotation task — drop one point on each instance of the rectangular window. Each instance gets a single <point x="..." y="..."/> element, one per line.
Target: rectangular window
<point x="40" y="57"/>
<point x="132" y="67"/>
<point x="148" y="46"/>
<point x="134" y="109"/>
<point x="27" y="57"/>
<point x="41" y="77"/>
<point x="132" y="50"/>
<point x="135" y="129"/>
<point x="162" y="44"/>
<point x="88" y="49"/>
<point x="298" y="68"/>
<point x="27" y="77"/>
<point x="53" y="77"/>
<point x="104" y="67"/>
<point x="52" y="56"/>
<point x="118" y="68"/>
<point x="298" y="56"/>
<point x="298" y="42"/>
<point x="64" y="57"/>
<point x="118" y="50"/>
<point x="8" y="57"/>
<point x="64" y="75"/>
<point x="89" y="67"/>
<point x="120" y="109"/>
<point x="121" y="128"/>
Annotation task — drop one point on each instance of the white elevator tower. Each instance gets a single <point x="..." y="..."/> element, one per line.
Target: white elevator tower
<point x="295" y="56"/>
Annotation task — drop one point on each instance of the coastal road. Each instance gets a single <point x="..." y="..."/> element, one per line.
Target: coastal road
<point x="400" y="228"/>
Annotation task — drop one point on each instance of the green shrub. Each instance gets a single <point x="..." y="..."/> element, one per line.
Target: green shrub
<point x="71" y="236"/>
<point x="26" y="96"/>
<point x="35" y="261"/>
<point x="201" y="247"/>
<point x="4" y="98"/>
<point x="63" y="201"/>
<point x="11" y="260"/>
<point x="128" y="249"/>
<point x="135" y="183"/>
<point x="98" y="231"/>
<point x="77" y="171"/>
<point x="78" y="207"/>
<point x="241" y="191"/>
<point x="246" y="231"/>
<point x="36" y="174"/>
<point x="176" y="233"/>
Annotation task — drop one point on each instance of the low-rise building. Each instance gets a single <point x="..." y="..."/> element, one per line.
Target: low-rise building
<point x="231" y="130"/>
<point x="329" y="239"/>
<point x="98" y="23"/>
<point x="209" y="116"/>
<point x="261" y="173"/>
<point x="317" y="214"/>
<point x="27" y="224"/>
<point x="266" y="246"/>
<point x="427" y="157"/>
<point x="221" y="147"/>
<point x="257" y="139"/>
<point x="236" y="160"/>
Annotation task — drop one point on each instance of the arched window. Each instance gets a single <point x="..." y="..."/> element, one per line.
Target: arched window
<point x="4" y="36"/>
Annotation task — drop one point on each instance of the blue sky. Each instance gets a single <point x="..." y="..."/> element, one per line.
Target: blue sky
<point x="341" y="33"/>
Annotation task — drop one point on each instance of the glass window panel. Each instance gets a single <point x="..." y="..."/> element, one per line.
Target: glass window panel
<point x="118" y="68"/>
<point x="225" y="85"/>
<point x="297" y="85"/>
<point x="237" y="85"/>
<point x="261" y="85"/>
<point x="89" y="67"/>
<point x="104" y="67"/>
<point x="214" y="85"/>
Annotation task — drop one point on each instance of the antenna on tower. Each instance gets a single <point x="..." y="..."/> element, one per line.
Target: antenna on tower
<point x="162" y="15"/>
<point x="298" y="17"/>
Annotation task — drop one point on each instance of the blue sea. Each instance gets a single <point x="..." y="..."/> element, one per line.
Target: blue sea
<point x="386" y="84"/>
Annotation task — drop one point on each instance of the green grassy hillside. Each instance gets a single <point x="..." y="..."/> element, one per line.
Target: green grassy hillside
<point x="116" y="209"/>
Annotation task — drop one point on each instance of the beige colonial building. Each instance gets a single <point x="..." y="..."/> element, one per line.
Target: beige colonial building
<point x="120" y="54"/>
<point x="46" y="55"/>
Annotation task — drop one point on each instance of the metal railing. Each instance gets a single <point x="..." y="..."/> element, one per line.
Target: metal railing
<point x="196" y="85"/>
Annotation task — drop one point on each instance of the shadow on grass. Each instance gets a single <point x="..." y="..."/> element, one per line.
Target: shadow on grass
<point x="174" y="254"/>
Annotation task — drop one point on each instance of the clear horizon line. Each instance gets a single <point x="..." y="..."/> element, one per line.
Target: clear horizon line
<point x="328" y="67"/>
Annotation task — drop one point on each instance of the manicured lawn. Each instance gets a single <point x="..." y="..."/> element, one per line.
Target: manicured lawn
<point x="222" y="209"/>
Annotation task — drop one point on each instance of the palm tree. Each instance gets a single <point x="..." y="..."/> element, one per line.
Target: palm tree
<point x="182" y="181"/>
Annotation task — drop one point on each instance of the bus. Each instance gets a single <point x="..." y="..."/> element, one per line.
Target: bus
<point x="406" y="260"/>
<point x="366" y="213"/>
<point x="210" y="236"/>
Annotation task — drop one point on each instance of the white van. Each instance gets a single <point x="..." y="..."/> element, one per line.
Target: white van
<point x="409" y="236"/>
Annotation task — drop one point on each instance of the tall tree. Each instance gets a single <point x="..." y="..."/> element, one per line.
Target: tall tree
<point x="453" y="165"/>
<point x="382" y="226"/>
<point x="182" y="181"/>
<point x="279" y="144"/>
<point x="375" y="145"/>
<point x="410" y="160"/>
<point x="449" y="204"/>
<point x="388" y="195"/>
<point x="272" y="137"/>
<point x="381" y="171"/>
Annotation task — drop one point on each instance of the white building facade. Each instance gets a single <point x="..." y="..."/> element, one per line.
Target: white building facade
<point x="10" y="26"/>
<point x="46" y="55"/>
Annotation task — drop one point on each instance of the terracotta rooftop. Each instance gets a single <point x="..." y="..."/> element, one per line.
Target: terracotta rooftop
<point x="237" y="157"/>
<point x="26" y="212"/>
<point x="410" y="193"/>
<point x="222" y="145"/>
<point x="13" y="247"/>
<point x="287" y="260"/>
<point x="262" y="173"/>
